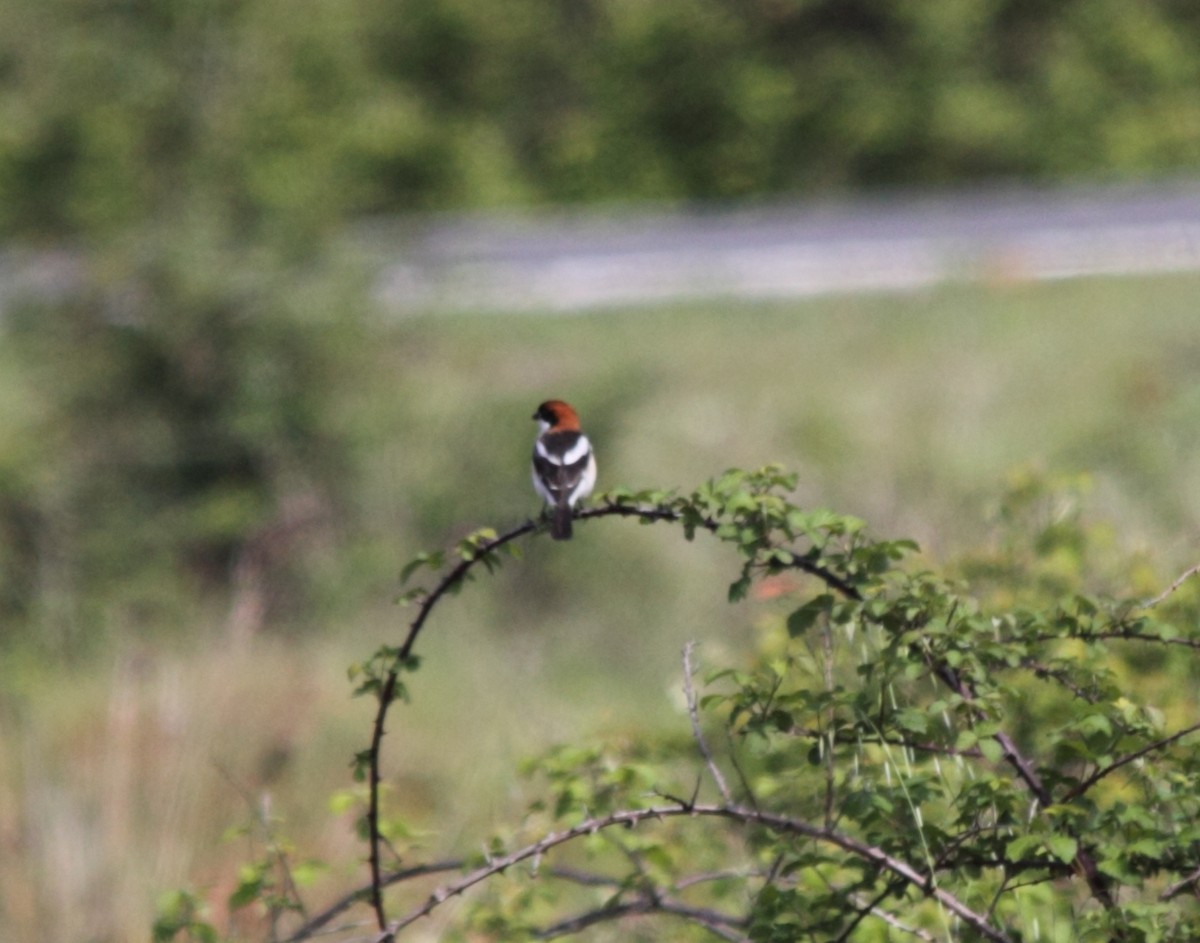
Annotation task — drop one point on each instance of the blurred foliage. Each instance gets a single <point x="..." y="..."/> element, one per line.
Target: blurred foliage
<point x="182" y="426"/>
<point x="294" y="113"/>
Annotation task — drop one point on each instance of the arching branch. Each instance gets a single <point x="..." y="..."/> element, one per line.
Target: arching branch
<point x="483" y="551"/>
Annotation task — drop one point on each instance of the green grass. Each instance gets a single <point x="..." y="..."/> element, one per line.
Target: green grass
<point x="119" y="777"/>
<point x="905" y="409"/>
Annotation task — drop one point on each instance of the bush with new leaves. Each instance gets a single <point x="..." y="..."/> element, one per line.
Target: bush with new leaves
<point x="903" y="759"/>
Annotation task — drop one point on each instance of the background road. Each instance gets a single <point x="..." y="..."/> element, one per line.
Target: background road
<point x="567" y="262"/>
<point x="573" y="261"/>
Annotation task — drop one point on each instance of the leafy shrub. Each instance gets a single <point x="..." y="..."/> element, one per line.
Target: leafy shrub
<point x="901" y="758"/>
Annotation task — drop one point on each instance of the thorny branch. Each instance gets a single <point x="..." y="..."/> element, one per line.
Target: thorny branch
<point x="387" y="694"/>
<point x="1122" y="633"/>
<point x="1084" y="860"/>
<point x="860" y="737"/>
<point x="1025" y="771"/>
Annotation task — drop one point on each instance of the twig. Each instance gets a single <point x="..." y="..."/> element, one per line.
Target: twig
<point x="454" y="576"/>
<point x="1000" y="892"/>
<point x="386" y="694"/>
<point x="740" y="874"/>
<point x="876" y="737"/>
<point x="308" y="929"/>
<point x="694" y="713"/>
<point x="1128" y="758"/>
<point x="1123" y="634"/>
<point x="827" y="738"/>
<point x="1183" y="578"/>
<point x="582" y="878"/>
<point x="1097" y="882"/>
<point x="744" y="815"/>
<point x="1174" y="890"/>
<point x="276" y="852"/>
<point x="741" y="773"/>
<point x="1012" y="755"/>
<point x="864" y="911"/>
<point x="1045" y="672"/>
<point x="714" y="921"/>
<point x="894" y="921"/>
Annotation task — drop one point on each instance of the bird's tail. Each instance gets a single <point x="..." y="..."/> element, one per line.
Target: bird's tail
<point x="560" y="524"/>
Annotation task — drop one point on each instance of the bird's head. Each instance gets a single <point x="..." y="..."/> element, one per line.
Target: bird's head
<point x="557" y="415"/>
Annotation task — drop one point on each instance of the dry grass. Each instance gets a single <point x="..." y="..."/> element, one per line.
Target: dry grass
<point x="123" y="778"/>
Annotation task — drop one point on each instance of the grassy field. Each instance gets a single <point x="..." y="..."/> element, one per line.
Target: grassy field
<point x="122" y="777"/>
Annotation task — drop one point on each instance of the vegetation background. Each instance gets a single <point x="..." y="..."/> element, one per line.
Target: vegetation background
<point x="215" y="455"/>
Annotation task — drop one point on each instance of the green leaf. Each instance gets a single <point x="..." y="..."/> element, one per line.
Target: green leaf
<point x="431" y="560"/>
<point x="1062" y="847"/>
<point x="251" y="883"/>
<point x="739" y="588"/>
<point x="413" y="595"/>
<point x="1021" y="847"/>
<point x="802" y="619"/>
<point x="360" y="764"/>
<point x="343" y="800"/>
<point x="305" y="873"/>
<point x="912" y="720"/>
<point x="182" y="911"/>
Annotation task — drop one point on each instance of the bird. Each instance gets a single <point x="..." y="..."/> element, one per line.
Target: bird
<point x="564" y="465"/>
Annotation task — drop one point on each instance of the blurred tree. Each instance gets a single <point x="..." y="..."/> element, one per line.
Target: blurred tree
<point x="186" y="403"/>
<point x="298" y="114"/>
<point x="191" y="435"/>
